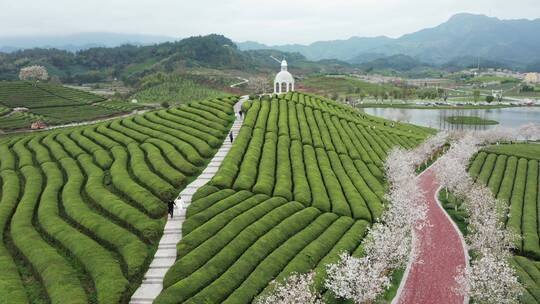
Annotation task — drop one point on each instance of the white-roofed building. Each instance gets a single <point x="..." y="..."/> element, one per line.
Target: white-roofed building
<point x="284" y="81"/>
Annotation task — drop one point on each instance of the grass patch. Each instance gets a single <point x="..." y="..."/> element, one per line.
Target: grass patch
<point x="470" y="120"/>
<point x="452" y="205"/>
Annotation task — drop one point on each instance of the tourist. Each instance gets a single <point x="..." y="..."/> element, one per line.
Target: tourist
<point x="231" y="136"/>
<point x="171" y="207"/>
<point x="240" y="113"/>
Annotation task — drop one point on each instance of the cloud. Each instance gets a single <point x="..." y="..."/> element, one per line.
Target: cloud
<point x="274" y="22"/>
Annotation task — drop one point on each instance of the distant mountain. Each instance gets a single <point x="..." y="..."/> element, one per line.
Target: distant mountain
<point x="516" y="42"/>
<point x="533" y="67"/>
<point x="394" y="62"/>
<point x="335" y="49"/>
<point x="79" y="41"/>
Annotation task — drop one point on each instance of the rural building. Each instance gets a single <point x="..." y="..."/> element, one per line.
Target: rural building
<point x="284" y="81"/>
<point x="532" y="78"/>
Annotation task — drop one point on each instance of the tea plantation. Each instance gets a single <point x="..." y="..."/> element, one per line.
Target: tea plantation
<point x="53" y="104"/>
<point x="302" y="183"/>
<point x="515" y="179"/>
<point x="82" y="209"/>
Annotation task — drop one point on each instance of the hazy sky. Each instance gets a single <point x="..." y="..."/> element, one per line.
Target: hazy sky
<point x="273" y="22"/>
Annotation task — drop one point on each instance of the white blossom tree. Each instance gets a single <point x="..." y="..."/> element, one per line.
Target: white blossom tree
<point x="297" y="288"/>
<point x="490" y="278"/>
<point x="389" y="243"/>
<point x="530" y="131"/>
<point x="34" y="72"/>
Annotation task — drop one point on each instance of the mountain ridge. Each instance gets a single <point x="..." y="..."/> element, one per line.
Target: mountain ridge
<point x="463" y="34"/>
<point x="79" y="41"/>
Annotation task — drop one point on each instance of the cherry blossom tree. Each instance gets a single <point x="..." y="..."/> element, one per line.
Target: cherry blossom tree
<point x="389" y="243"/>
<point x="530" y="131"/>
<point x="358" y="279"/>
<point x="490" y="278"/>
<point x="297" y="288"/>
<point x="34" y="72"/>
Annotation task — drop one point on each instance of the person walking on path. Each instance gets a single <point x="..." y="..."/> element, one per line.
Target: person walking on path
<point x="240" y="113"/>
<point x="231" y="136"/>
<point x="171" y="206"/>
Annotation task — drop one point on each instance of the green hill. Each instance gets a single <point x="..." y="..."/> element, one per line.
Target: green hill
<point x="82" y="209"/>
<point x="302" y="183"/>
<point x="54" y="104"/>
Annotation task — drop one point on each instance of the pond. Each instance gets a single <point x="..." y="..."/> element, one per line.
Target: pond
<point x="437" y="118"/>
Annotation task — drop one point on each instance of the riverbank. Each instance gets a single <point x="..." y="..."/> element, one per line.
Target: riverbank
<point x="437" y="106"/>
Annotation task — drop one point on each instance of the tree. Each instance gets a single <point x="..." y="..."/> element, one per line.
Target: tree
<point x="490" y="279"/>
<point x="34" y="72"/>
<point x="297" y="288"/>
<point x="476" y="95"/>
<point x="165" y="104"/>
<point x="362" y="96"/>
<point x="490" y="98"/>
<point x="259" y="85"/>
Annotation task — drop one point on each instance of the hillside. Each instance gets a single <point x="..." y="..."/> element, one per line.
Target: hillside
<point x="130" y="63"/>
<point x="395" y="62"/>
<point x="53" y="104"/>
<point x="302" y="183"/>
<point x="514" y="42"/>
<point x="82" y="209"/>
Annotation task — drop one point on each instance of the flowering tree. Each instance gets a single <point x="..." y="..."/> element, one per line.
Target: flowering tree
<point x="490" y="278"/>
<point x="389" y="243"/>
<point x="34" y="72"/>
<point x="530" y="131"/>
<point x="297" y="288"/>
<point x="359" y="279"/>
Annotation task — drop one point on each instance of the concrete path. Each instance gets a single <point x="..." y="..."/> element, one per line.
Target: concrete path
<point x="166" y="254"/>
<point x="244" y="80"/>
<point x="431" y="277"/>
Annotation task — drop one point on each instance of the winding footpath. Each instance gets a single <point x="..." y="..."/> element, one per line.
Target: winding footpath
<point x="165" y="256"/>
<point x="244" y="80"/>
<point x="431" y="277"/>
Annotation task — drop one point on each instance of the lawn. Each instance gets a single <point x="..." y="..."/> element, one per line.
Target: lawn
<point x="470" y="120"/>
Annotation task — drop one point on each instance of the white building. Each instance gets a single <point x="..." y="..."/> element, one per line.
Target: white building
<point x="284" y="81"/>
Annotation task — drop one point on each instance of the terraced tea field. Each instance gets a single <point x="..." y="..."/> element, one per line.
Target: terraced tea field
<point x="515" y="179"/>
<point x="302" y="183"/>
<point x="82" y="209"/>
<point x="53" y="104"/>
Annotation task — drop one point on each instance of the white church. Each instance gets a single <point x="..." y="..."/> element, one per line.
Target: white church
<point x="284" y="81"/>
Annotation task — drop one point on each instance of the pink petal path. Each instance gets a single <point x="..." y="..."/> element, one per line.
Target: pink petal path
<point x="431" y="278"/>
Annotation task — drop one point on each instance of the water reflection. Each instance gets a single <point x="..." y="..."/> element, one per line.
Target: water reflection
<point x="438" y="118"/>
